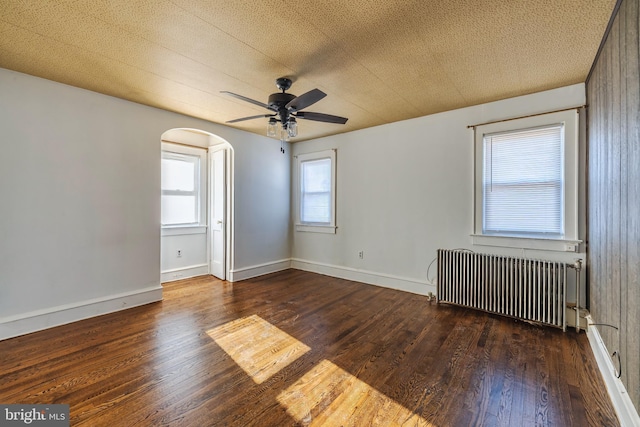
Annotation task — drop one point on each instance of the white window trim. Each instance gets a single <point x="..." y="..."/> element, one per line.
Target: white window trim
<point x="311" y="227"/>
<point x="183" y="230"/>
<point x="570" y="240"/>
<point x="178" y="229"/>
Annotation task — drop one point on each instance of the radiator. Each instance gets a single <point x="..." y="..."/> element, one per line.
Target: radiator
<point x="526" y="289"/>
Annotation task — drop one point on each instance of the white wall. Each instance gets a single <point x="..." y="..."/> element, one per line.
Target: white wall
<point x="261" y="210"/>
<point x="80" y="201"/>
<point x="192" y="261"/>
<point x="406" y="189"/>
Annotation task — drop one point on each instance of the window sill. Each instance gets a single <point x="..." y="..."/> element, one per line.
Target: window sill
<point x="330" y="229"/>
<point x="558" y="245"/>
<point x="181" y="230"/>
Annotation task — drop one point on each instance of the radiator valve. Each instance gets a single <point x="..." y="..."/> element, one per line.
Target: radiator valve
<point x="578" y="264"/>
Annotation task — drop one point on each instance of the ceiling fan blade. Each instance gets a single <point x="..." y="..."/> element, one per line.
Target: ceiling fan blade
<point x="259" y="116"/>
<point x="304" y="100"/>
<point x="244" y="98"/>
<point x="321" y="117"/>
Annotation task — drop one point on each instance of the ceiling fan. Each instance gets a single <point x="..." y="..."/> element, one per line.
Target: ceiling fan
<point x="286" y="109"/>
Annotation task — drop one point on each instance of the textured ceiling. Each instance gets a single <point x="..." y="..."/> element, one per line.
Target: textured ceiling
<point x="379" y="61"/>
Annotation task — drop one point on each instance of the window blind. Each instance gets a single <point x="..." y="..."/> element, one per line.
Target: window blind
<point x="315" y="189"/>
<point x="523" y="182"/>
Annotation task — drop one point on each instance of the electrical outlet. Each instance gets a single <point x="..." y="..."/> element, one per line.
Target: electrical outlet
<point x="179" y="253"/>
<point x="361" y="254"/>
<point x="569" y="247"/>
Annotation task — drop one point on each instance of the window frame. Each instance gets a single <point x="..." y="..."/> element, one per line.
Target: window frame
<point x="569" y="241"/>
<point x="313" y="226"/>
<point x="177" y="152"/>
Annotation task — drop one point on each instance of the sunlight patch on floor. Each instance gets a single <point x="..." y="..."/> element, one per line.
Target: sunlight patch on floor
<point x="329" y="396"/>
<point x="258" y="347"/>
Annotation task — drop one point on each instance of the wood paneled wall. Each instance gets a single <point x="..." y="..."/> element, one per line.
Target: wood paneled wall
<point x="613" y="95"/>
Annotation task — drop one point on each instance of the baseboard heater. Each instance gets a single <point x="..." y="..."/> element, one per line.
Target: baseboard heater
<point x="526" y="289"/>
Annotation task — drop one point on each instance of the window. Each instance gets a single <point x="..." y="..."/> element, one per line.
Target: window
<point x="316" y="192"/>
<point x="182" y="187"/>
<point x="526" y="182"/>
<point x="522" y="184"/>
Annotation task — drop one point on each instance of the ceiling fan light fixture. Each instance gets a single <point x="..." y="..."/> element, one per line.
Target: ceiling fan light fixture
<point x="272" y="127"/>
<point x="292" y="127"/>
<point x="284" y="134"/>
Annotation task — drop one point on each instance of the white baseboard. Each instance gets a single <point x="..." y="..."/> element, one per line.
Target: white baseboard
<point x="627" y="413"/>
<point x="38" y="320"/>
<point x="258" y="270"/>
<point x="184" y="273"/>
<point x="372" y="278"/>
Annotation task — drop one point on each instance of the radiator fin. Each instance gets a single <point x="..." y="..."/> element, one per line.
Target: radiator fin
<point x="527" y="289"/>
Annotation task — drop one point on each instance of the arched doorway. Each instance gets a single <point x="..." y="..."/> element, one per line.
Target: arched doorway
<point x="197" y="205"/>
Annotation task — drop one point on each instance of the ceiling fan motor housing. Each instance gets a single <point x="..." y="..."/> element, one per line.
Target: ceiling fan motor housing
<point x="277" y="102"/>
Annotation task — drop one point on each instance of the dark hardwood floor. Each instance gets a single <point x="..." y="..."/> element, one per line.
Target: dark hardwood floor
<point x="297" y="348"/>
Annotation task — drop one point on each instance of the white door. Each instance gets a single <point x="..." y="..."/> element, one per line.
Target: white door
<point x="218" y="189"/>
